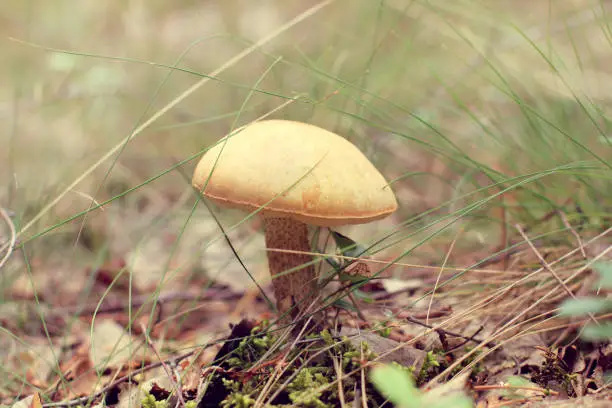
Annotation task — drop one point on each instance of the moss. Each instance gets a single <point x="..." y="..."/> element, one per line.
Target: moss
<point x="250" y="349"/>
<point x="239" y="395"/>
<point x="383" y="329"/>
<point x="237" y="400"/>
<point x="408" y="370"/>
<point x="149" y="401"/>
<point x="305" y="391"/>
<point x="247" y="369"/>
<point x="553" y="375"/>
<point x="352" y="355"/>
<point x="429" y="369"/>
<point x="325" y="336"/>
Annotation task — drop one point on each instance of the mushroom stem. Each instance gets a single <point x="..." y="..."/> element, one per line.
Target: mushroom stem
<point x="295" y="290"/>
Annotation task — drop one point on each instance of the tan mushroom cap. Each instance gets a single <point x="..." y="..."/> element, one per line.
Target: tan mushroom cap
<point x="317" y="177"/>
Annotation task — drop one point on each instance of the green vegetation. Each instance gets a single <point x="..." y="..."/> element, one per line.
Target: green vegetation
<point x="590" y="305"/>
<point x="304" y="376"/>
<point x="398" y="385"/>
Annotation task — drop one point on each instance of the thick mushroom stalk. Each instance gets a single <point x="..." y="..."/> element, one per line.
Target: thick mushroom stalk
<point x="293" y="278"/>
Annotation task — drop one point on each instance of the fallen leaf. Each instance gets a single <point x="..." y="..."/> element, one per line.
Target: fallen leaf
<point x="36" y="361"/>
<point x="407" y="356"/>
<point x="111" y="345"/>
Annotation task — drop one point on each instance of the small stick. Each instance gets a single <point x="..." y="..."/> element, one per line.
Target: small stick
<point x="364" y="395"/>
<point x="489" y="261"/>
<point x="450" y="333"/>
<point x="504" y="230"/>
<point x="549" y="269"/>
<point x="138" y="301"/>
<point x="574" y="232"/>
<point x="513" y="387"/>
<point x="110" y="386"/>
<point x="444" y="262"/>
<point x="175" y="384"/>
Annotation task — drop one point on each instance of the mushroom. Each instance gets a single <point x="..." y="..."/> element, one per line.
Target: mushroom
<point x="296" y="175"/>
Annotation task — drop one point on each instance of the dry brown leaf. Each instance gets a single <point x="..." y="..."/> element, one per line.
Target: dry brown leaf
<point x="87" y="383"/>
<point x="111" y="345"/>
<point x="515" y="354"/>
<point x="36" y="360"/>
<point x="407" y="356"/>
<point x="78" y="369"/>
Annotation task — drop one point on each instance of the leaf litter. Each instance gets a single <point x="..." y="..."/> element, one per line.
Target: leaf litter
<point x="103" y="351"/>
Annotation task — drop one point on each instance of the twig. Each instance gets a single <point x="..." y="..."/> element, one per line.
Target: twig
<point x="281" y="366"/>
<point x="138" y="301"/>
<point x="357" y="309"/>
<point x="125" y="378"/>
<point x="450" y="333"/>
<point x="178" y="381"/>
<point x="508" y="326"/>
<point x="459" y="346"/>
<point x="364" y="395"/>
<point x="480" y="304"/>
<point x="551" y="270"/>
<point x="304" y="363"/>
<point x="574" y="232"/>
<point x="338" y="370"/>
<point x="513" y="387"/>
<point x="504" y="229"/>
<point x="175" y="384"/>
<point x="444" y="262"/>
<point x="11" y="244"/>
<point x="602" y="388"/>
<point x="436" y="328"/>
<point x="489" y="261"/>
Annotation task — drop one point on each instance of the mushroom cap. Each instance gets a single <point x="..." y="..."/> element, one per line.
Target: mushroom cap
<point x="297" y="170"/>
